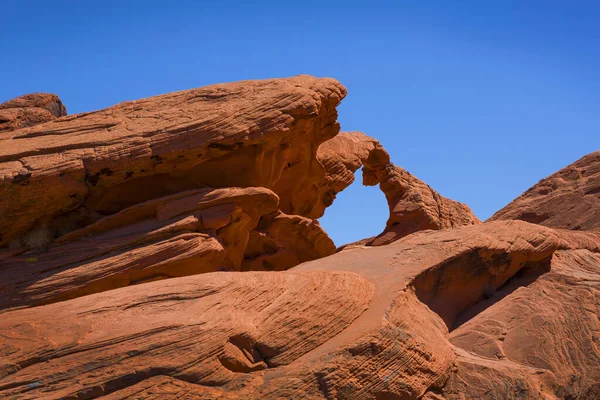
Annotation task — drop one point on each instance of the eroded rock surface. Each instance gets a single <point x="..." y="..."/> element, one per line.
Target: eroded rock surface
<point x="243" y="134"/>
<point x="188" y="233"/>
<point x="413" y="205"/>
<point x="569" y="198"/>
<point x="406" y="320"/>
<point x="162" y="187"/>
<point x="29" y="110"/>
<point x="218" y="189"/>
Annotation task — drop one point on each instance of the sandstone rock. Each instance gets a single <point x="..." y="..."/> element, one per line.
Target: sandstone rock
<point x="414" y="206"/>
<point x="198" y="186"/>
<point x="192" y="232"/>
<point x="569" y="198"/>
<point x="29" y="110"/>
<point x="282" y="241"/>
<point x="243" y="134"/>
<point x="498" y="310"/>
<point x="212" y="328"/>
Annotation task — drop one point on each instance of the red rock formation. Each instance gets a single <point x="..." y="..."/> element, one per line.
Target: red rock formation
<point x="282" y="241"/>
<point x="414" y="206"/>
<point x="192" y="232"/>
<point x="252" y="133"/>
<point x="200" y="185"/>
<point x="439" y="315"/>
<point x="29" y="110"/>
<point x="569" y="198"/>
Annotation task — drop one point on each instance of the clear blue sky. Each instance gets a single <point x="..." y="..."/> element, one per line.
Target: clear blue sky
<point x="480" y="99"/>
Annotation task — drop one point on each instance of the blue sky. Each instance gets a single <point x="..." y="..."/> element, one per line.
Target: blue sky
<point x="480" y="99"/>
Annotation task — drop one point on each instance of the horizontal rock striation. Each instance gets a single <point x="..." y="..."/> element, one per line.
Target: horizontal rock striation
<point x="243" y="134"/>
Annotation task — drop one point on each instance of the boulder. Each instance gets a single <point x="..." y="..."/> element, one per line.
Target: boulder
<point x="282" y="241"/>
<point x="29" y="110"/>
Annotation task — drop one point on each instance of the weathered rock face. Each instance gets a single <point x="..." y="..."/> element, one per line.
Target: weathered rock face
<point x="414" y="206"/>
<point x="244" y="134"/>
<point x="192" y="232"/>
<point x="145" y="190"/>
<point x="217" y="189"/>
<point x="447" y="314"/>
<point x="29" y="110"/>
<point x="282" y="241"/>
<point x="568" y="199"/>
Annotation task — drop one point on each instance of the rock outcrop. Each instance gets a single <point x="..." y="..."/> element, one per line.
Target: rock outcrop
<point x="29" y="110"/>
<point x="244" y="134"/>
<point x="438" y="315"/>
<point x="568" y="199"/>
<point x="192" y="232"/>
<point x="168" y="248"/>
<point x="414" y="206"/>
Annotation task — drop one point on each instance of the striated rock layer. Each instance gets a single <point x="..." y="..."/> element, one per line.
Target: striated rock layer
<point x="447" y="314"/>
<point x="213" y="179"/>
<point x="413" y="205"/>
<point x="569" y="198"/>
<point x="252" y="133"/>
<point x="218" y="189"/>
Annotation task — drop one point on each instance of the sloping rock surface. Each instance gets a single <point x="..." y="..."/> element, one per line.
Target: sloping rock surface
<point x="569" y="198"/>
<point x="192" y="232"/>
<point x="444" y="314"/>
<point x="413" y="205"/>
<point x="29" y="110"/>
<point x="222" y="178"/>
<point x="243" y="134"/>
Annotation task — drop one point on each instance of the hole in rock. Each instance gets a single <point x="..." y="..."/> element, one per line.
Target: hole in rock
<point x="464" y="286"/>
<point x="358" y="212"/>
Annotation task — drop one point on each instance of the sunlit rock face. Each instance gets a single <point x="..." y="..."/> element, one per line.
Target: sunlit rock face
<point x="169" y="248"/>
<point x="413" y="205"/>
<point x="569" y="198"/>
<point x="29" y="110"/>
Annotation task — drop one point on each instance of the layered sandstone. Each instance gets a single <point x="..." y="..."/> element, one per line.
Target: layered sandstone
<point x="438" y="314"/>
<point x="243" y="134"/>
<point x="151" y="250"/>
<point x="413" y="205"/>
<point x="569" y="198"/>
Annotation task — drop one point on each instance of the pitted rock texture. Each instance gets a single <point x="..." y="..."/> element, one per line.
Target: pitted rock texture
<point x="244" y="134"/>
<point x="413" y="205"/>
<point x="29" y="110"/>
<point x="496" y="310"/>
<point x="569" y="198"/>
